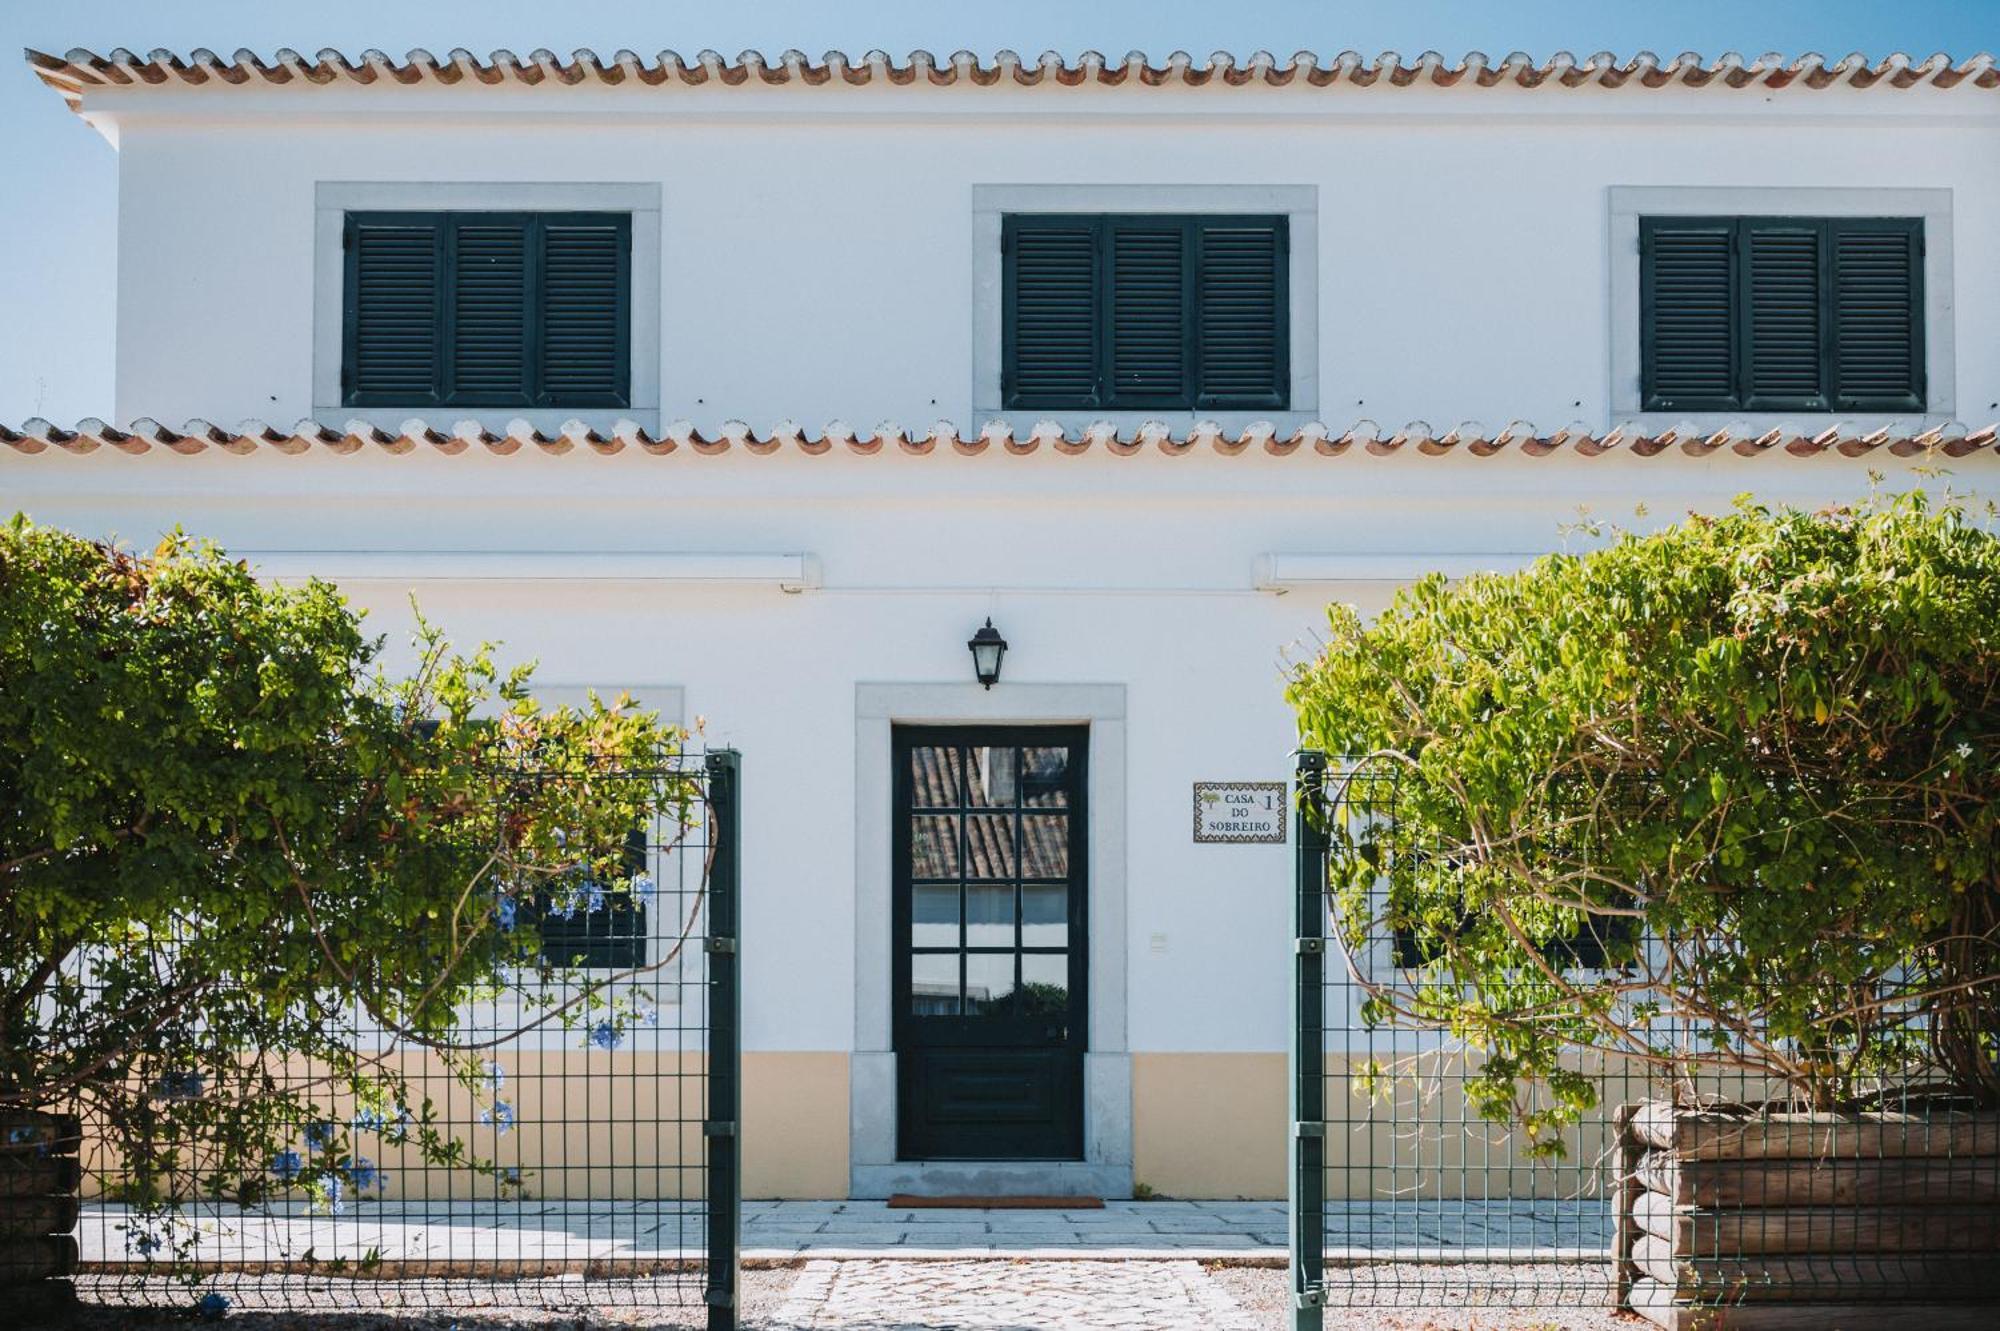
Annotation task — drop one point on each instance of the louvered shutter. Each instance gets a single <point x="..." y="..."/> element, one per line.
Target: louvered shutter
<point x="1877" y="314"/>
<point x="584" y="353"/>
<point x="1687" y="314"/>
<point x="1242" y="356"/>
<point x="1050" y="320"/>
<point x="1783" y="327"/>
<point x="1150" y="331"/>
<point x="491" y="339"/>
<point x="393" y="309"/>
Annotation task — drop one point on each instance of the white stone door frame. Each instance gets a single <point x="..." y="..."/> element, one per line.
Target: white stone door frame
<point x="873" y="1169"/>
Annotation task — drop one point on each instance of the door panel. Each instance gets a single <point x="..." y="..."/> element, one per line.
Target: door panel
<point x="990" y="916"/>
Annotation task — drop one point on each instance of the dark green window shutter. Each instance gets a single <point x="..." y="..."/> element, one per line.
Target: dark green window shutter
<point x="1782" y="326"/>
<point x="1145" y="311"/>
<point x="1782" y="313"/>
<point x="1244" y="352"/>
<point x="1687" y="338"/>
<point x="491" y="331"/>
<point x="1149" y="327"/>
<point x="393" y="310"/>
<point x="487" y="309"/>
<point x="1050" y="319"/>
<point x="1878" y="314"/>
<point x="584" y="353"/>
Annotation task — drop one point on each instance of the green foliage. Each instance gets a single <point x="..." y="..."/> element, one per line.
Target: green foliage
<point x="1756" y="758"/>
<point x="241" y="867"/>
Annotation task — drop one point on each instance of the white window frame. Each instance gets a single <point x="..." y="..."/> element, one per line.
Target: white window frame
<point x="333" y="200"/>
<point x="1628" y="203"/>
<point x="990" y="203"/>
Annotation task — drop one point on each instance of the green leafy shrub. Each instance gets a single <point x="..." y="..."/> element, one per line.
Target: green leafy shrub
<point x="232" y="848"/>
<point x="1751" y="762"/>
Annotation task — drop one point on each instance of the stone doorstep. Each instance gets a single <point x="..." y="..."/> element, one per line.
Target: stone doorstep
<point x="1261" y="1257"/>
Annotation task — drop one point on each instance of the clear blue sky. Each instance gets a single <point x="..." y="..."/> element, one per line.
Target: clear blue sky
<point x="57" y="232"/>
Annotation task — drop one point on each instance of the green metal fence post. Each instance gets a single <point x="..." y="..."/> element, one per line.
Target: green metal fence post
<point x="725" y="1040"/>
<point x="1308" y="1094"/>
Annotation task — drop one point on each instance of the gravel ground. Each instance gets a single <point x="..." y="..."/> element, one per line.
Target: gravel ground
<point x="1368" y="1297"/>
<point x="259" y="1303"/>
<point x="1391" y="1296"/>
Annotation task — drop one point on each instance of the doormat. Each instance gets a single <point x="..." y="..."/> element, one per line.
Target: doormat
<point x="903" y="1201"/>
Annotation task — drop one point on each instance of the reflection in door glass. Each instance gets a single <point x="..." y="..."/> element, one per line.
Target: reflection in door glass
<point x="934" y="985"/>
<point x="1045" y="985"/>
<point x="934" y="915"/>
<point x="1044" y="845"/>
<point x="1044" y="778"/>
<point x="989" y="845"/>
<point x="934" y="845"/>
<point x="934" y="778"/>
<point x="989" y="777"/>
<point x="989" y="983"/>
<point x="1045" y="915"/>
<point x="989" y="915"/>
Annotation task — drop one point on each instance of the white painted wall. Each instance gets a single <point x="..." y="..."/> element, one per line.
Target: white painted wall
<point x="1137" y="571"/>
<point x="816" y="244"/>
<point x="816" y="264"/>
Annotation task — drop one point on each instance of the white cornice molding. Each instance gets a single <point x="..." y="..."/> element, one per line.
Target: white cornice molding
<point x="787" y="572"/>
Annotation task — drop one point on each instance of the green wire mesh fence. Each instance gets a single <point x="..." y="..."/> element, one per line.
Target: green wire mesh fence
<point x="577" y="1149"/>
<point x="1671" y="1194"/>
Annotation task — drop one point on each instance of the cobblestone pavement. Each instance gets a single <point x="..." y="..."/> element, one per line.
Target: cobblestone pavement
<point x="545" y="1236"/>
<point x="902" y="1295"/>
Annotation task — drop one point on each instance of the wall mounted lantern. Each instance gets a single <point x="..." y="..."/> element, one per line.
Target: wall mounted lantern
<point x="987" y="648"/>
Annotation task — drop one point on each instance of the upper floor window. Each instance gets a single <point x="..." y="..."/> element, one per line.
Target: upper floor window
<point x="486" y="309"/>
<point x="1145" y="311"/>
<point x="1781" y="313"/>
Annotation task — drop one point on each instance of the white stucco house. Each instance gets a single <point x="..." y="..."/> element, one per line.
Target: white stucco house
<point x="757" y="387"/>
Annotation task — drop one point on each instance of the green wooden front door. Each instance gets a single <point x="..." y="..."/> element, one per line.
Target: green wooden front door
<point x="990" y="956"/>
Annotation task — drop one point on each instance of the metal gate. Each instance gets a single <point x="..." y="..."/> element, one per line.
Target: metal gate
<point x="1401" y="1195"/>
<point x="603" y="1158"/>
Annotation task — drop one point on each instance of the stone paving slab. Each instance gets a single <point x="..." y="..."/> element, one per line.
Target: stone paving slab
<point x="554" y="1232"/>
<point x="881" y="1295"/>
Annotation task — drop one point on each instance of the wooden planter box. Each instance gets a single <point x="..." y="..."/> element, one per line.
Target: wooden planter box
<point x="1733" y="1218"/>
<point x="41" y="1185"/>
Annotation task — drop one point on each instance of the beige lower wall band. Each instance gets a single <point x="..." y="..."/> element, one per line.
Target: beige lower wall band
<point x="1205" y="1125"/>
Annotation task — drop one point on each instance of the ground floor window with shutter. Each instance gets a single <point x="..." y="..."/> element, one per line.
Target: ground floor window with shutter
<point x="1149" y="311"/>
<point x="1782" y="313"/>
<point x="486" y="309"/>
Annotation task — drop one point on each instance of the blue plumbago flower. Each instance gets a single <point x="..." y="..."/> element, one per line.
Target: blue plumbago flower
<point x="496" y="1076"/>
<point x="331" y="1192"/>
<point x="212" y="1307"/>
<point x="319" y="1136"/>
<point x="592" y="895"/>
<point x="562" y="838"/>
<point x="144" y="1242"/>
<point x="650" y="1016"/>
<point x="606" y="1036"/>
<point x="511" y="1176"/>
<point x="180" y="1085"/>
<point x="15" y="1136"/>
<point x="368" y="1120"/>
<point x="503" y="912"/>
<point x="500" y="1116"/>
<point x="399" y="1127"/>
<point x="563" y="907"/>
<point x="364" y="1174"/>
<point x="285" y="1166"/>
<point x="643" y="887"/>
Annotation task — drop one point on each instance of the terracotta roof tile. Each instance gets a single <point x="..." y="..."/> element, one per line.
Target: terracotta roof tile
<point x="76" y="72"/>
<point x="1951" y="440"/>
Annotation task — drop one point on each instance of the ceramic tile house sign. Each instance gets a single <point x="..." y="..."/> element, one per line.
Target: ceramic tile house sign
<point x="1242" y="811"/>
